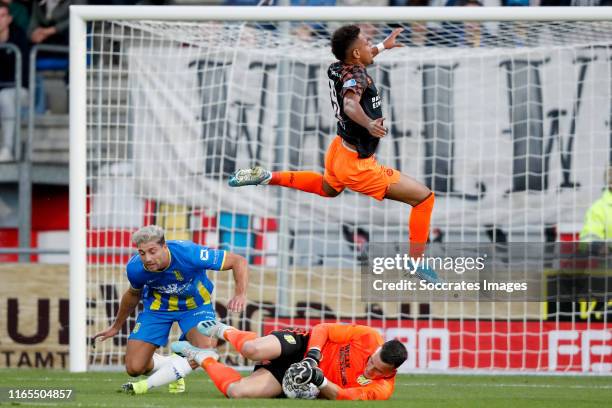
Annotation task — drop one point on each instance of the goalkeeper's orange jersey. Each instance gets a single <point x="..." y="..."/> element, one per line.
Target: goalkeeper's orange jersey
<point x="345" y="350"/>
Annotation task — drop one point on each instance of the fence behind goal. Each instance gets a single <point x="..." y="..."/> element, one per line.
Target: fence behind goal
<point x="506" y="121"/>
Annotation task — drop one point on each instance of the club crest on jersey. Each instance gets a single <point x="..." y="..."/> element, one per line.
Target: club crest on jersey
<point x="178" y="276"/>
<point x="349" y="83"/>
<point x="362" y="380"/>
<point x="289" y="339"/>
<point x="204" y="254"/>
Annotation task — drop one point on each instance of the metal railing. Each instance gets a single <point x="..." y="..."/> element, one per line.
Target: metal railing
<point x="23" y="155"/>
<point x="30" y="251"/>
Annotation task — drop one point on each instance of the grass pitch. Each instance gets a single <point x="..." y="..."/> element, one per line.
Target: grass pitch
<point x="99" y="389"/>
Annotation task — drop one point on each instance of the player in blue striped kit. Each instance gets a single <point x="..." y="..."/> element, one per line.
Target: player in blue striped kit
<point x="170" y="278"/>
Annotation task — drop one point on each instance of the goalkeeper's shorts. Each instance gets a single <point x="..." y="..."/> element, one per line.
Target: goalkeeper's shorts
<point x="343" y="168"/>
<point x="294" y="343"/>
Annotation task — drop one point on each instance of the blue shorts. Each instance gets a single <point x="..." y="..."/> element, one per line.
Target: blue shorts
<point x="154" y="326"/>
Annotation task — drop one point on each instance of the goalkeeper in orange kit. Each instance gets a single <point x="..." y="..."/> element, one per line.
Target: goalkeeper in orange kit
<point x="337" y="361"/>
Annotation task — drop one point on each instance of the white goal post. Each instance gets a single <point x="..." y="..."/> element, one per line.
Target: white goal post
<point x="83" y="69"/>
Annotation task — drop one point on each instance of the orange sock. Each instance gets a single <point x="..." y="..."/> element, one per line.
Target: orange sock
<point x="307" y="181"/>
<point x="237" y="338"/>
<point x="220" y="374"/>
<point x="419" y="225"/>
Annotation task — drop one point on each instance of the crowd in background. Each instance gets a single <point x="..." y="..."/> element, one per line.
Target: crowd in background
<point x="26" y="23"/>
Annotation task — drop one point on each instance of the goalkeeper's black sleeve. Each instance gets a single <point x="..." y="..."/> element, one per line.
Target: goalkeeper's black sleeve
<point x="317" y="377"/>
<point x="313" y="357"/>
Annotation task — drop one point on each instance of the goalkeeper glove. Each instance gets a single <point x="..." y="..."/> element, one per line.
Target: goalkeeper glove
<point x="318" y="378"/>
<point x="304" y="373"/>
<point x="312" y="357"/>
<point x="299" y="373"/>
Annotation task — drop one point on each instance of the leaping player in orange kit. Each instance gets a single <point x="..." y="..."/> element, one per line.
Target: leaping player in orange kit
<point x="350" y="161"/>
<point x="345" y="362"/>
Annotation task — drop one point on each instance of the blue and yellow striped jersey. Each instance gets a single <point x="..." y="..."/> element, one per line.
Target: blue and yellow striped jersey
<point x="183" y="285"/>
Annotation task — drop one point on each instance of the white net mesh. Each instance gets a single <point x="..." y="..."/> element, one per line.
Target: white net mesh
<point x="507" y="122"/>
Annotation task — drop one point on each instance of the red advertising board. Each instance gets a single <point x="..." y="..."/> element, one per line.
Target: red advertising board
<point x="492" y="345"/>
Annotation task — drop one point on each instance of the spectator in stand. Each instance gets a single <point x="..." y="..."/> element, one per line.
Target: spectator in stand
<point x="303" y="31"/>
<point x="462" y="34"/>
<point x="473" y="31"/>
<point x="416" y="31"/>
<point x="367" y="29"/>
<point x="111" y="2"/>
<point x="597" y="230"/>
<point x="49" y="23"/>
<point x="156" y="3"/>
<point x="563" y="3"/>
<point x="11" y="33"/>
<point x="241" y="2"/>
<point x="20" y="10"/>
<point x="312" y="30"/>
<point x="363" y="3"/>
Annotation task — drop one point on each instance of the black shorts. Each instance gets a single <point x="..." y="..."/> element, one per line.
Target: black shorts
<point x="294" y="343"/>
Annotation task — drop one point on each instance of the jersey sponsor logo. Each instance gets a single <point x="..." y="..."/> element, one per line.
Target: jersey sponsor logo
<point x="363" y="380"/>
<point x="376" y="102"/>
<point x="206" y="312"/>
<point x="334" y="73"/>
<point x="289" y="338"/>
<point x="204" y="254"/>
<point x="345" y="362"/>
<point x="178" y="276"/>
<point x="349" y="83"/>
<point x="172" y="288"/>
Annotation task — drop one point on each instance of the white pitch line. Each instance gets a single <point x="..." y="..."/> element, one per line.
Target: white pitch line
<point x="502" y="385"/>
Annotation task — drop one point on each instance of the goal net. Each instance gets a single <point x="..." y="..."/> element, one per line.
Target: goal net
<point x="506" y="121"/>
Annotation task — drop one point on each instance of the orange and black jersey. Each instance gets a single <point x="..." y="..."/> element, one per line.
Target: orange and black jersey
<point x="344" y="77"/>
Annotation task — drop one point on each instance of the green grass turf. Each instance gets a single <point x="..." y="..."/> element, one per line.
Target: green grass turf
<point x="99" y="389"/>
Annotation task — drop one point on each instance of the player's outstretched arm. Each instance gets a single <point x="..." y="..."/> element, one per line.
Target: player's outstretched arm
<point x="239" y="266"/>
<point x="379" y="390"/>
<point x="388" y="43"/>
<point x="129" y="301"/>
